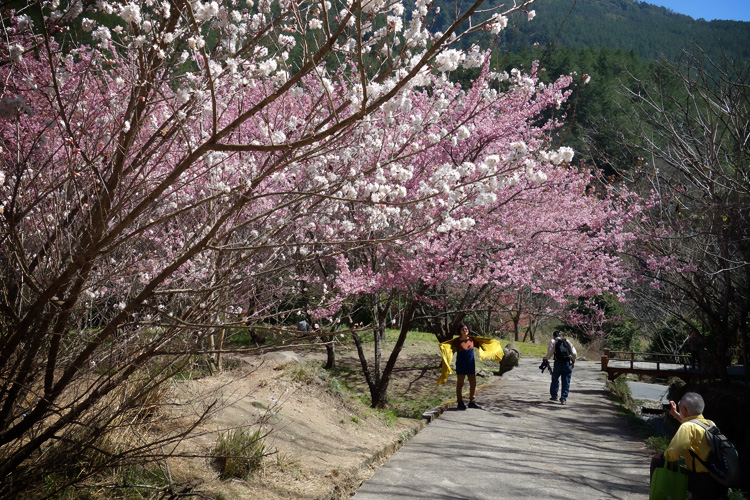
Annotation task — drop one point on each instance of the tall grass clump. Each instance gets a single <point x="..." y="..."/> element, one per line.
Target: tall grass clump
<point x="305" y="373"/>
<point x="314" y="374"/>
<point x="239" y="453"/>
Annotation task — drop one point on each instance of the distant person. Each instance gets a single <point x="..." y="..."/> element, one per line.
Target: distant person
<point x="303" y="326"/>
<point x="695" y="346"/>
<point x="691" y="437"/>
<point x="564" y="353"/>
<point x="464" y="346"/>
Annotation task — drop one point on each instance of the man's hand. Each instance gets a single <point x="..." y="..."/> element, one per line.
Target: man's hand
<point x="572" y="364"/>
<point x="674" y="411"/>
<point x="545" y="365"/>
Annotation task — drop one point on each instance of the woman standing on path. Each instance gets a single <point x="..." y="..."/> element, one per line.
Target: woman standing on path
<point x="464" y="346"/>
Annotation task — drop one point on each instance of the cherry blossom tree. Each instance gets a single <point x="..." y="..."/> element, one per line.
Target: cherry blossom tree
<point x="164" y="168"/>
<point x="495" y="208"/>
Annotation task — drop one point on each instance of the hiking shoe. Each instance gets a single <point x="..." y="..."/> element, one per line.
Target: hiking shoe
<point x="461" y="405"/>
<point x="562" y="401"/>
<point x="474" y="405"/>
<point x="553" y="398"/>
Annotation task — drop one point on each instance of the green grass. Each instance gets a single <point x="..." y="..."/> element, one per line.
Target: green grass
<point x="335" y="387"/>
<point x="528" y="349"/>
<point x="238" y="338"/>
<point x="407" y="400"/>
<point x="389" y="417"/>
<point x="312" y="373"/>
<point x="391" y="335"/>
<point x="736" y="495"/>
<point x="239" y="453"/>
<point x="134" y="482"/>
<point x="419" y="393"/>
<point x="619" y="392"/>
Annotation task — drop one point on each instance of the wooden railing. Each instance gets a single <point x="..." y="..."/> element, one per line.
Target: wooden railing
<point x="646" y="363"/>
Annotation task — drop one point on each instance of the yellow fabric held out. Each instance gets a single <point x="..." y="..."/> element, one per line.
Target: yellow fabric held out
<point x="488" y="349"/>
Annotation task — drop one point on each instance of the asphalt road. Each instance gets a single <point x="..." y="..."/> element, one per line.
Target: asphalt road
<point x="650" y="392"/>
<point x="521" y="446"/>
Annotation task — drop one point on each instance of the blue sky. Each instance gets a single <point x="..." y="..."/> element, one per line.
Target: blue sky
<point x="736" y="10"/>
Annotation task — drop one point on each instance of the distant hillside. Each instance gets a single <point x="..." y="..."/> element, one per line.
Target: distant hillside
<point x="648" y="29"/>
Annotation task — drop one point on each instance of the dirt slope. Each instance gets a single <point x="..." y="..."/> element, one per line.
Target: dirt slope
<point x="321" y="446"/>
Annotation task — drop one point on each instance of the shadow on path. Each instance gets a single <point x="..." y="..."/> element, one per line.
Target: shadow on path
<point x="521" y="446"/>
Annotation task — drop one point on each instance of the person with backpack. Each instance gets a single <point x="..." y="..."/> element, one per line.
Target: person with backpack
<point x="690" y="442"/>
<point x="564" y="354"/>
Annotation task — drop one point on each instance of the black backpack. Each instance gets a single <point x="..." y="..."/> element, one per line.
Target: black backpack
<point x="563" y="351"/>
<point x="723" y="462"/>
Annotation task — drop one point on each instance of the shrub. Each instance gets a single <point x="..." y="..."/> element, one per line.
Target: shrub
<point x="335" y="387"/>
<point x="306" y="373"/>
<point x="239" y="453"/>
<point x="658" y="443"/>
<point x="389" y="417"/>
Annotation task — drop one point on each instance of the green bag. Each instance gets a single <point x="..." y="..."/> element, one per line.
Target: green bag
<point x="667" y="484"/>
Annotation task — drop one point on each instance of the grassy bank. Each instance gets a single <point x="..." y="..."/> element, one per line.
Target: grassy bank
<point x="413" y="388"/>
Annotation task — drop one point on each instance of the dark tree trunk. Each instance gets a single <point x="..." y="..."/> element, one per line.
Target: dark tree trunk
<point x="379" y="391"/>
<point x="377" y="377"/>
<point x="331" y="354"/>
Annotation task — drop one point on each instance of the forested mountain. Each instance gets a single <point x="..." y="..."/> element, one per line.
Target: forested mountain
<point x="617" y="43"/>
<point x="648" y="29"/>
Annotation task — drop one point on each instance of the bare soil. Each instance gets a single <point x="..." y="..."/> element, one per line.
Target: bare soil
<point x="320" y="443"/>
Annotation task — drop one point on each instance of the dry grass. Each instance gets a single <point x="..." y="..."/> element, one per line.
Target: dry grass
<point x="321" y="439"/>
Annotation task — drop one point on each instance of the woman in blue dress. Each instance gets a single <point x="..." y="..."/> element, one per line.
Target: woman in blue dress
<point x="465" y="366"/>
<point x="463" y="346"/>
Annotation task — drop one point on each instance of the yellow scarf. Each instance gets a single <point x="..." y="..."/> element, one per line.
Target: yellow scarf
<point x="488" y="349"/>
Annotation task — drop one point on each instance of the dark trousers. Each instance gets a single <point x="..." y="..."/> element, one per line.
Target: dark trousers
<point x="701" y="485"/>
<point x="561" y="370"/>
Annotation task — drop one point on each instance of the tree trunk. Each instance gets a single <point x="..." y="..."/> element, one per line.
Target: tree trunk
<point x="378" y="378"/>
<point x="379" y="396"/>
<point x="330" y="354"/>
<point x="220" y="347"/>
<point x="363" y="361"/>
<point x="212" y="347"/>
<point x="379" y="392"/>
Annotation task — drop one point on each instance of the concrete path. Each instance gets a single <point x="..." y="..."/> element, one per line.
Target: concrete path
<point x="521" y="446"/>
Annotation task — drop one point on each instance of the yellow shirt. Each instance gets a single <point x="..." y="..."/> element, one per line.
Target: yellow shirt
<point x="488" y="349"/>
<point x="690" y="437"/>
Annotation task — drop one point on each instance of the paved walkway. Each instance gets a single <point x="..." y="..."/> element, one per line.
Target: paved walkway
<point x="521" y="446"/>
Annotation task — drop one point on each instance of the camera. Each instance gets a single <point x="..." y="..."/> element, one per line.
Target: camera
<point x="545" y="366"/>
<point x="666" y="406"/>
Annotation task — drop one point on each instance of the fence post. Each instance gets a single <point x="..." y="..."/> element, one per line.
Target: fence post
<point x="605" y="360"/>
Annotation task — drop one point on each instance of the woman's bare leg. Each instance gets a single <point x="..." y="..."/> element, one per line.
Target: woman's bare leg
<point x="472" y="386"/>
<point x="460" y="387"/>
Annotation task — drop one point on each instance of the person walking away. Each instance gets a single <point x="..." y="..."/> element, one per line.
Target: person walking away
<point x="564" y="353"/>
<point x="691" y="436"/>
<point x="464" y="346"/>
